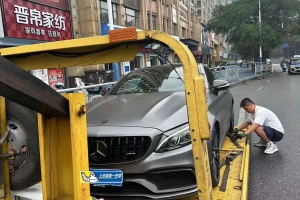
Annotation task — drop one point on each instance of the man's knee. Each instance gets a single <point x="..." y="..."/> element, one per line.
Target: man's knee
<point x="259" y="129"/>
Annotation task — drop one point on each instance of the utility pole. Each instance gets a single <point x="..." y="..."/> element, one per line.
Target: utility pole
<point x="260" y="49"/>
<point x="111" y="27"/>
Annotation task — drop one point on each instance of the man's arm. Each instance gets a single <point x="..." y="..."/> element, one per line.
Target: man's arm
<point x="243" y="125"/>
<point x="252" y="128"/>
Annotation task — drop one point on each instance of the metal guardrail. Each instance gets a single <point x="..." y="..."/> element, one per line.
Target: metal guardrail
<point x="233" y="73"/>
<point x="82" y="89"/>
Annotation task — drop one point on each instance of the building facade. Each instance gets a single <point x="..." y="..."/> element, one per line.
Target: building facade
<point x="36" y="21"/>
<point x="175" y="17"/>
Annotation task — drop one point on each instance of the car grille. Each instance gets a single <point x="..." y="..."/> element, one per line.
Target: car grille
<point x="117" y="149"/>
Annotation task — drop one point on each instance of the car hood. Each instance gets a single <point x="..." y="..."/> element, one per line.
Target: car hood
<point x="296" y="64"/>
<point x="160" y="110"/>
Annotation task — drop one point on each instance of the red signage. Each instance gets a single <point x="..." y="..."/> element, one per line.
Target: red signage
<point x="61" y="4"/>
<point x="56" y="76"/>
<point x="25" y="19"/>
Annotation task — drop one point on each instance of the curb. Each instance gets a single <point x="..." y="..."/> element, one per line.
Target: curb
<point x="255" y="77"/>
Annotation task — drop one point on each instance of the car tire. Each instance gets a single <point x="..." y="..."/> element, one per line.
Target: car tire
<point x="215" y="160"/>
<point x="231" y="126"/>
<point x="26" y="169"/>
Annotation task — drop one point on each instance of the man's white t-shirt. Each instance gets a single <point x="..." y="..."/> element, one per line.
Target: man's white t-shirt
<point x="265" y="117"/>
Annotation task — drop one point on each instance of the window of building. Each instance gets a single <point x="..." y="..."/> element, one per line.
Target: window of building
<point x="153" y="60"/>
<point x="148" y="20"/>
<point x="104" y="12"/>
<point x="131" y="17"/>
<point x="183" y="30"/>
<point x="199" y="12"/>
<point x="153" y="22"/>
<point x="174" y="29"/>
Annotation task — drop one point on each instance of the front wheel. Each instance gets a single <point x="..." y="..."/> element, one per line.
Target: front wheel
<point x="215" y="161"/>
<point x="24" y="168"/>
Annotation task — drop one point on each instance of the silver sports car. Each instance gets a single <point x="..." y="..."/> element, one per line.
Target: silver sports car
<point x="141" y="127"/>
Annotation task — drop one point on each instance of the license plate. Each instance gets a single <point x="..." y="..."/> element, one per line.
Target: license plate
<point x="103" y="177"/>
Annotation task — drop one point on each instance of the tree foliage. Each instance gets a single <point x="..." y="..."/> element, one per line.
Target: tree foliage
<point x="239" y="23"/>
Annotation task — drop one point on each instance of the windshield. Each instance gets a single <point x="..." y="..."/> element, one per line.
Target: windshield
<point x="295" y="60"/>
<point x="151" y="79"/>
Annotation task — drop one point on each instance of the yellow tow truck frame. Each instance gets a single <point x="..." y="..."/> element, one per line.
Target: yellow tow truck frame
<point x="60" y="137"/>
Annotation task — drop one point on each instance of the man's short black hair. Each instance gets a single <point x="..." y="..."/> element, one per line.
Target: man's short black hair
<point x="246" y="102"/>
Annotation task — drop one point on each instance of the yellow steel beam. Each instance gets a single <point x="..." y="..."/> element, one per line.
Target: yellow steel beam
<point x="4" y="187"/>
<point x="95" y="50"/>
<point x="63" y="150"/>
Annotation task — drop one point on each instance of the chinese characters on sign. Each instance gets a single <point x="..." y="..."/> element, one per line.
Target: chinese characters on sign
<point x="30" y="20"/>
<point x="39" y="19"/>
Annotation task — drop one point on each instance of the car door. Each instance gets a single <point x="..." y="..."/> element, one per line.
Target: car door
<point x="219" y="104"/>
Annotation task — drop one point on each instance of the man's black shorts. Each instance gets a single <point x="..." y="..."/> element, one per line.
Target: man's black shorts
<point x="273" y="134"/>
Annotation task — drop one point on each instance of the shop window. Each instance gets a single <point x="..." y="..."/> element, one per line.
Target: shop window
<point x="104" y="12"/>
<point x="153" y="60"/>
<point x="136" y="63"/>
<point x="131" y="17"/>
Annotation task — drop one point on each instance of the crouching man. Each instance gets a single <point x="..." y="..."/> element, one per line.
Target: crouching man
<point x="264" y="123"/>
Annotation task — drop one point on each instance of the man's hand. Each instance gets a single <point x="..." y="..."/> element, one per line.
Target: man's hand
<point x="240" y="136"/>
<point x="235" y="130"/>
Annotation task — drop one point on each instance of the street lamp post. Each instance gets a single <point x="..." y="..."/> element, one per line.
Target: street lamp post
<point x="260" y="49"/>
<point x="111" y="27"/>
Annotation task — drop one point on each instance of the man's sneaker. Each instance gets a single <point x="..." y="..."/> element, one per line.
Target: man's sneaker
<point x="260" y="143"/>
<point x="271" y="148"/>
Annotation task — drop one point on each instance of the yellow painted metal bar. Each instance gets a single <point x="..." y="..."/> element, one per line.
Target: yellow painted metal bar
<point x="45" y="60"/>
<point x="63" y="150"/>
<point x="246" y="170"/>
<point x="5" y="186"/>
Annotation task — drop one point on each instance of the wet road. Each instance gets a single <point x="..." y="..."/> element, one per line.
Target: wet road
<point x="275" y="176"/>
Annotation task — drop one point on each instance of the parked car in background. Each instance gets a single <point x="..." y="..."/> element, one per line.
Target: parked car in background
<point x="141" y="127"/>
<point x="232" y="62"/>
<point x="294" y="65"/>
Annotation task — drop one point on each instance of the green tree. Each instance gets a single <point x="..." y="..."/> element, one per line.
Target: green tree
<point x="239" y="22"/>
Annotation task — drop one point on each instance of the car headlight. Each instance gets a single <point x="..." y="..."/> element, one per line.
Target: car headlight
<point x="293" y="66"/>
<point x="174" y="139"/>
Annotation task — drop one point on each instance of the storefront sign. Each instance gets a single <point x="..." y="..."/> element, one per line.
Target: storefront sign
<point x="56" y="76"/>
<point x="61" y="4"/>
<point x="30" y="20"/>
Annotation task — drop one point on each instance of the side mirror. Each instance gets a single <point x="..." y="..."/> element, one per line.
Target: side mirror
<point x="219" y="85"/>
<point x="104" y="90"/>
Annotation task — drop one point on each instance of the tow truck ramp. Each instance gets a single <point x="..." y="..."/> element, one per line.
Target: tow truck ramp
<point x="234" y="188"/>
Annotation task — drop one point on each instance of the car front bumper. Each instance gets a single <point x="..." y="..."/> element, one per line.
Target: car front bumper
<point x="295" y="70"/>
<point x="157" y="176"/>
